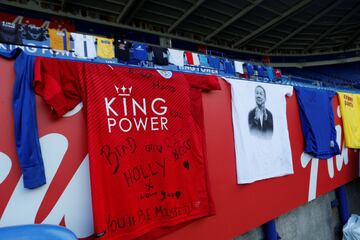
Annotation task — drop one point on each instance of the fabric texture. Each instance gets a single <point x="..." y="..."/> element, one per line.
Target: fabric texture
<point x="34" y="33"/>
<point x="146" y="147"/>
<point x="59" y="40"/>
<point x="105" y="47"/>
<point x="249" y="69"/>
<point x="350" y="114"/>
<point x="229" y="67"/>
<point x="139" y="51"/>
<point x="351" y="229"/>
<point x="25" y="120"/>
<point x="161" y="56"/>
<point x="195" y="58"/>
<point x="122" y="50"/>
<point x="10" y="33"/>
<point x="203" y="60"/>
<point x="176" y="57"/>
<point x="239" y="67"/>
<point x="317" y="122"/>
<point x="189" y="58"/>
<point x="261" y="136"/>
<point x="214" y="62"/>
<point x="84" y="45"/>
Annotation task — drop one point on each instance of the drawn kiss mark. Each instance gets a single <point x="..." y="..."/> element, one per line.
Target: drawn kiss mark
<point x="178" y="194"/>
<point x="187" y="165"/>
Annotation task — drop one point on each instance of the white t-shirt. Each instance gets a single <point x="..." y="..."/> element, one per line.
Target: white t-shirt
<point x="176" y="57"/>
<point x="239" y="67"/>
<point x="196" y="59"/>
<point x="262" y="144"/>
<point x="84" y="45"/>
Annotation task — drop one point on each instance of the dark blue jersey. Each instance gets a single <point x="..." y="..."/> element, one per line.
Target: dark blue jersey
<point x="317" y="121"/>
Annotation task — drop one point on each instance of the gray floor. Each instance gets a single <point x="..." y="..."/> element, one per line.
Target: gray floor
<point x="316" y="220"/>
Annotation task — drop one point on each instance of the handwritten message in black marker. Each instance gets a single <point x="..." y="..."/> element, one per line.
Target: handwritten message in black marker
<point x="144" y="171"/>
<point x="166" y="87"/>
<point x="146" y="215"/>
<point x="154" y="148"/>
<point x="156" y="169"/>
<point x="114" y="154"/>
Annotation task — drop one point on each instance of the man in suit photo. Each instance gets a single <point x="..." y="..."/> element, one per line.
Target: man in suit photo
<point x="260" y="118"/>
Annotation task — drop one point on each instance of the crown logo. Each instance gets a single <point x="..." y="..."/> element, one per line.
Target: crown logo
<point x="123" y="91"/>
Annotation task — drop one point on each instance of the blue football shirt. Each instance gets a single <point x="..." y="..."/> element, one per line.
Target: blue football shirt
<point x="229" y="66"/>
<point x="214" y="62"/>
<point x="140" y="51"/>
<point x="317" y="121"/>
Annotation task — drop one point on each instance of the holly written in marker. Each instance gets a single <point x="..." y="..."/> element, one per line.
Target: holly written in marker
<point x="135" y="174"/>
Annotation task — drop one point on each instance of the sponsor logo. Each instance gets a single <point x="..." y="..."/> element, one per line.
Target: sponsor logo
<point x="126" y="113"/>
<point x="165" y="74"/>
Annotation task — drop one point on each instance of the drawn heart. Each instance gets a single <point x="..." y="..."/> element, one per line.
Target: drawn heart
<point x="178" y="194"/>
<point x="187" y="165"/>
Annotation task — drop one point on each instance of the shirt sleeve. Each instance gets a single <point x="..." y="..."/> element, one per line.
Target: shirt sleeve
<point x="204" y="82"/>
<point x="230" y="81"/>
<point x="25" y="123"/>
<point x="57" y="82"/>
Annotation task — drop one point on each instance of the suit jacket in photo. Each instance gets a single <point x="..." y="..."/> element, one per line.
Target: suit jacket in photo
<point x="255" y="124"/>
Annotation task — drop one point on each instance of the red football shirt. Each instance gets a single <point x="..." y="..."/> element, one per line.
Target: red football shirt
<point x="145" y="140"/>
<point x="189" y="58"/>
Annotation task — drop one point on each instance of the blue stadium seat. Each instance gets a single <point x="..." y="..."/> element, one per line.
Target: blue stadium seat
<point x="36" y="232"/>
<point x="347" y="74"/>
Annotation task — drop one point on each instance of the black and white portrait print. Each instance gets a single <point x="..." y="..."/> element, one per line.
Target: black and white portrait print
<point x="260" y="119"/>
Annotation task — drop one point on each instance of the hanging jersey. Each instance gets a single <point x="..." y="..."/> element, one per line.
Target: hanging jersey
<point x="229" y="67"/>
<point x="161" y="56"/>
<point x="105" y="47"/>
<point x="59" y="40"/>
<point x="317" y="122"/>
<point x="195" y="58"/>
<point x="249" y="69"/>
<point x="146" y="147"/>
<point x="189" y="58"/>
<point x="350" y="113"/>
<point x="176" y="57"/>
<point x="262" y="144"/>
<point x="203" y="60"/>
<point x="34" y="33"/>
<point x="239" y="67"/>
<point x="10" y="33"/>
<point x="214" y="62"/>
<point x="84" y="45"/>
<point x="165" y="59"/>
<point x="122" y="50"/>
<point x="139" y="51"/>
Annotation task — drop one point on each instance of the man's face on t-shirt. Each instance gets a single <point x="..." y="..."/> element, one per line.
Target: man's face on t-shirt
<point x="260" y="96"/>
